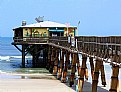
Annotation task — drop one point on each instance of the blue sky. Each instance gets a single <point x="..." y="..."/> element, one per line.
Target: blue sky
<point x="97" y="17"/>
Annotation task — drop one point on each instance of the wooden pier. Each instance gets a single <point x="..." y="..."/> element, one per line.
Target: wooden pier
<point x="58" y="50"/>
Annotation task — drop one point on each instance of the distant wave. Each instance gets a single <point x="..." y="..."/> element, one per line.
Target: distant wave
<point x="20" y="56"/>
<point x="2" y="71"/>
<point x="8" y="58"/>
<point x="4" y="58"/>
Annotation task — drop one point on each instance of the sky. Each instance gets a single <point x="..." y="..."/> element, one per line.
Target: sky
<point x="97" y="17"/>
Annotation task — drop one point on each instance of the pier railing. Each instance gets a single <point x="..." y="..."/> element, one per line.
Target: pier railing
<point x="30" y="40"/>
<point x="106" y="48"/>
<point x="103" y="49"/>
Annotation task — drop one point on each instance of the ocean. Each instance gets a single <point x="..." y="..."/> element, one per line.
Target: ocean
<point x="10" y="59"/>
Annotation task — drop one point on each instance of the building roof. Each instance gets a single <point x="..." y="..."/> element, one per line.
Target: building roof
<point x="46" y="24"/>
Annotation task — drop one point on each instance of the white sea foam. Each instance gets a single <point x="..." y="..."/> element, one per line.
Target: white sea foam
<point x="8" y="58"/>
<point x="5" y="58"/>
<point x="20" y="56"/>
<point x="1" y="72"/>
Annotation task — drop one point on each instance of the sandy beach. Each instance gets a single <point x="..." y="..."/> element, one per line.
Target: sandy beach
<point x="32" y="83"/>
<point x="41" y="83"/>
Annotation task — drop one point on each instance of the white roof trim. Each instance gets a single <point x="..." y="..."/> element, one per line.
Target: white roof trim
<point x="46" y="24"/>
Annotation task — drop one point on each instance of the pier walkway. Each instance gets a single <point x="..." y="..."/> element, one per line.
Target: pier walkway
<point x="61" y="55"/>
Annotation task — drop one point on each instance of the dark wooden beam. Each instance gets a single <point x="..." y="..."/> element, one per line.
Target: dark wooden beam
<point x="18" y="48"/>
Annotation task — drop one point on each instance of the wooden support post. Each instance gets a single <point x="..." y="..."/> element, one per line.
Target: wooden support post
<point x="73" y="69"/>
<point x="33" y="60"/>
<point x="36" y="59"/>
<point x="52" y="61"/>
<point x="78" y="65"/>
<point x="102" y="74"/>
<point x="44" y="57"/>
<point x="96" y="76"/>
<point x="61" y="65"/>
<point x="67" y="59"/>
<point x="64" y="73"/>
<point x="49" y="58"/>
<point x="55" y="69"/>
<point x="114" y="79"/>
<point x="79" y="82"/>
<point x="36" y="56"/>
<point x="86" y="73"/>
<point x="82" y="72"/>
<point x="23" y="56"/>
<point x="70" y="61"/>
<point x="92" y="66"/>
<point x="79" y="87"/>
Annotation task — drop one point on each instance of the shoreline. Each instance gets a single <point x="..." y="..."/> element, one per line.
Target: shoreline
<point x="26" y="76"/>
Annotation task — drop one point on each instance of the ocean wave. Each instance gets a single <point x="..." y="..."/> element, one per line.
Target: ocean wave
<point x="2" y="72"/>
<point x="4" y="58"/>
<point x="20" y="56"/>
<point x="8" y="58"/>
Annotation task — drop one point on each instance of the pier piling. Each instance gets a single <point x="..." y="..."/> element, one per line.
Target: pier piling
<point x="102" y="73"/>
<point x="23" y="56"/>
<point x="91" y="66"/>
<point x="73" y="69"/>
<point x="61" y="65"/>
<point x="55" y="69"/>
<point x="65" y="68"/>
<point x="114" y="79"/>
<point x="96" y="75"/>
<point x="52" y="60"/>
